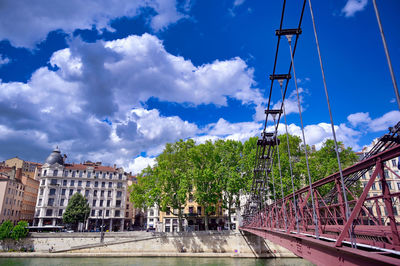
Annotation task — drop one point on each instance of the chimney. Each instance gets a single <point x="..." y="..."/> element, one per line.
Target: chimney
<point x="18" y="174"/>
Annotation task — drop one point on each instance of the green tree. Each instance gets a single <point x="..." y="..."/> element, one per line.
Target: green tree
<point x="77" y="210"/>
<point x="146" y="192"/>
<point x="173" y="169"/>
<point x="208" y="185"/>
<point x="6" y="229"/>
<point x="229" y="172"/>
<point x="20" y="230"/>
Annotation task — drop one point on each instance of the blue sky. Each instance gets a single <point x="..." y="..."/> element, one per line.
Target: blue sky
<point x="115" y="81"/>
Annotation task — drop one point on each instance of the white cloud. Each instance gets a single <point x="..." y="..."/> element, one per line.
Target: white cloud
<point x="140" y="163"/>
<point x="109" y="80"/>
<point x="26" y="23"/>
<point x="238" y="2"/>
<point x="359" y="118"/>
<point x="374" y="125"/>
<point x="4" y="60"/>
<point x="353" y="6"/>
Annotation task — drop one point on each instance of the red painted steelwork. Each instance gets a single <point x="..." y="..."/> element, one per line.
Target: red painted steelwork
<point x="366" y="226"/>
<point x="322" y="252"/>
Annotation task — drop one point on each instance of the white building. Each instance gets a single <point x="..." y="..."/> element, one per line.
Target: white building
<point x="103" y="186"/>
<point x="153" y="218"/>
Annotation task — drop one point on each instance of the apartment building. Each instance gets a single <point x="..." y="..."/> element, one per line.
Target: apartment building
<point x="11" y="196"/>
<point x="103" y="186"/>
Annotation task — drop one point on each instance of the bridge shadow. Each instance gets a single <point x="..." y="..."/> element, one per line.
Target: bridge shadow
<point x="258" y="246"/>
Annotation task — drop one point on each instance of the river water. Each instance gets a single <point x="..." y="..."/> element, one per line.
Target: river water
<point x="159" y="261"/>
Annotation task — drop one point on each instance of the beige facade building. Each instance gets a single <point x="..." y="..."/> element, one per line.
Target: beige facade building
<point x="11" y="196"/>
<point x="29" y="169"/>
<point x="376" y="204"/>
<point x="29" y="199"/>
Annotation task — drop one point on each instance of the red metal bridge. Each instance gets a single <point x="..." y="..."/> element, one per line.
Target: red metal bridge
<point x="340" y="227"/>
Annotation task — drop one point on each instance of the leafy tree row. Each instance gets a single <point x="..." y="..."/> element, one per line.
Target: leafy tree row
<point x="217" y="172"/>
<point x="9" y="231"/>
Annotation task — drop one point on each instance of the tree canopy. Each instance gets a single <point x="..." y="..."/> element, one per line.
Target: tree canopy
<point x="77" y="210"/>
<point x="220" y="171"/>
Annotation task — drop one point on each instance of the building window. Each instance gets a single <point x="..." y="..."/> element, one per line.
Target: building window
<point x="118" y="203"/>
<point x="49" y="212"/>
<point x="100" y="212"/>
<point x="168" y="212"/>
<point x="94" y="203"/>
<point x="63" y="192"/>
<point x="43" y="183"/>
<point x="96" y="184"/>
<point x="89" y="174"/>
<point x="73" y="174"/>
<point x="71" y="191"/>
<point x="62" y="202"/>
<point x="117" y="213"/>
<point x="167" y="221"/>
<point x="44" y="172"/>
<point x="102" y="193"/>
<point x="41" y="191"/>
<point x="60" y="212"/>
<point x="389" y="185"/>
<point x="199" y="210"/>
<point x="119" y="185"/>
<point x="101" y="203"/>
<point x="119" y="194"/>
<point x="109" y="193"/>
<point x="127" y="214"/>
<point x="40" y="202"/>
<point x="108" y="203"/>
<point x="95" y="193"/>
<point x="88" y="183"/>
<point x="120" y="176"/>
<point x="394" y="162"/>
<point x="86" y="193"/>
<point x="93" y="212"/>
<point x="50" y="202"/>
<point x="373" y="186"/>
<point x="110" y="175"/>
<point x="191" y="198"/>
<point x="97" y="175"/>
<point x="55" y="173"/>
<point x="64" y="182"/>
<point x="107" y="213"/>
<point x="103" y="184"/>
<point x="191" y="210"/>
<point x="151" y="213"/>
<point x="65" y="173"/>
<point x="72" y="183"/>
<point x="109" y="184"/>
<point x="104" y="175"/>
<point x="398" y="186"/>
<point x="53" y="182"/>
<point x="80" y="173"/>
<point x="52" y="191"/>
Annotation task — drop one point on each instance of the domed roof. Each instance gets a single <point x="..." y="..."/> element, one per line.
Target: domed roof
<point x="55" y="157"/>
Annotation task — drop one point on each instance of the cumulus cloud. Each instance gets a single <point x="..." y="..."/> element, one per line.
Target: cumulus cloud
<point x="91" y="105"/>
<point x="374" y="125"/>
<point x="140" y="163"/>
<point x="353" y="6"/>
<point x="4" y="60"/>
<point x="26" y="23"/>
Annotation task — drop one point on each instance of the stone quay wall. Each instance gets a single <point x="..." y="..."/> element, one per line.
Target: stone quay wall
<point x="224" y="244"/>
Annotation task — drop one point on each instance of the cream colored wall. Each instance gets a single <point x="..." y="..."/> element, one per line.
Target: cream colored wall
<point x="18" y="163"/>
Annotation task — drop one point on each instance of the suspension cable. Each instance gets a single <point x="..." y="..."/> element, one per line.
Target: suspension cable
<point x="280" y="173"/>
<point x="289" y="38"/>
<point x="290" y="159"/>
<point x="378" y="18"/>
<point x="347" y="211"/>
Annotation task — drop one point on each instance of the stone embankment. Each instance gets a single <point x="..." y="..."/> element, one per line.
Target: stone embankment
<point x="117" y="244"/>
